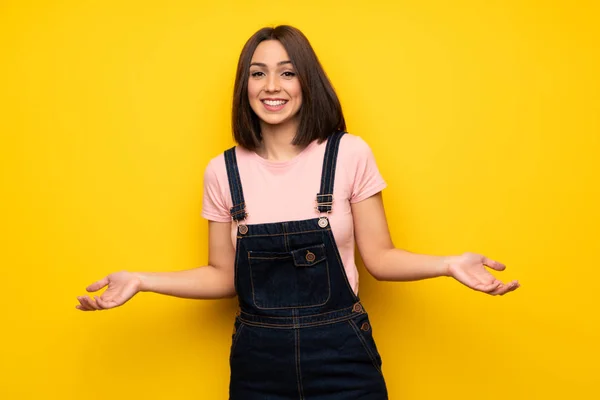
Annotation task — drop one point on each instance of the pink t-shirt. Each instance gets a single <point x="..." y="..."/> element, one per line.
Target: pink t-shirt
<point x="276" y="191"/>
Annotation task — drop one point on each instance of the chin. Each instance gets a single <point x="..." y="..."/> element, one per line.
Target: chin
<point x="271" y="120"/>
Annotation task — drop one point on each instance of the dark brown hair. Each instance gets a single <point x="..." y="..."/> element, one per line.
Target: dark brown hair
<point x="321" y="112"/>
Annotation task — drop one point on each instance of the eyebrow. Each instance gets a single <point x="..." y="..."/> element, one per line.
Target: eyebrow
<point x="265" y="65"/>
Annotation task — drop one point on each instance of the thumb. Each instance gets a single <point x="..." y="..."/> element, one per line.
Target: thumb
<point x="97" y="285"/>
<point x="498" y="266"/>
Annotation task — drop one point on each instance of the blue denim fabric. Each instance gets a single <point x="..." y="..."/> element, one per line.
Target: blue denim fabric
<point x="301" y="332"/>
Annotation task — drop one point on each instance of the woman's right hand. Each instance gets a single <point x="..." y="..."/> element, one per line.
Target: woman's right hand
<point x="122" y="286"/>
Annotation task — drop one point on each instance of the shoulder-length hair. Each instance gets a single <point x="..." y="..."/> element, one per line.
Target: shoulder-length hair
<point x="320" y="113"/>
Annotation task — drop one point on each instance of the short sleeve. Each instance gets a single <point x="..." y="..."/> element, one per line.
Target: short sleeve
<point x="367" y="179"/>
<point x="214" y="204"/>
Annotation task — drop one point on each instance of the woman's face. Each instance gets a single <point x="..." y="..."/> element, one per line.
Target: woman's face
<point x="273" y="88"/>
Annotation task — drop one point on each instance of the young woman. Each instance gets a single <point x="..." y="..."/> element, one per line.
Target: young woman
<point x="285" y="208"/>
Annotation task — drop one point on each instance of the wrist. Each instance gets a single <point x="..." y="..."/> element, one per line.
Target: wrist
<point x="141" y="281"/>
<point x="444" y="267"/>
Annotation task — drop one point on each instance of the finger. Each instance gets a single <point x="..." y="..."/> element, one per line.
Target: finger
<point x="97" y="285"/>
<point x="98" y="303"/>
<point x="514" y="285"/>
<point x="85" y="304"/>
<point x="90" y="303"/>
<point x="505" y="288"/>
<point x="498" y="266"/>
<point x="490" y="287"/>
<point x="101" y="303"/>
<point x="82" y="304"/>
<point x="502" y="289"/>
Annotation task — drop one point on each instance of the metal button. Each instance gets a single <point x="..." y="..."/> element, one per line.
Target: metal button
<point x="323" y="222"/>
<point x="243" y="229"/>
<point x="365" y="327"/>
<point x="310" y="257"/>
<point x="357" y="308"/>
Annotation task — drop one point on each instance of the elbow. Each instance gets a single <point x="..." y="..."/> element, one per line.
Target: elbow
<point x="228" y="291"/>
<point x="376" y="271"/>
<point x="376" y="264"/>
<point x="380" y="277"/>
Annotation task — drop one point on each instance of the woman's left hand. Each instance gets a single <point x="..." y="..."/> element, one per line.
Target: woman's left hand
<point x="470" y="270"/>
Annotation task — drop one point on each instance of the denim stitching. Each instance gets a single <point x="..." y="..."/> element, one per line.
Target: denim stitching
<point x="229" y="174"/>
<point x="232" y="176"/>
<point x="326" y="321"/>
<point x="333" y="163"/>
<point x="289" y="233"/>
<point x="242" y="203"/>
<point x="297" y="306"/>
<point x="234" y="213"/>
<point x="311" y="315"/>
<point x="362" y="340"/>
<point x="236" y="177"/>
<point x="240" y="190"/>
<point x="298" y="367"/>
<point x="323" y="188"/>
<point x="324" y="203"/>
<point x="285" y="238"/>
<point x="327" y="172"/>
<point x="326" y="181"/>
<point x="237" y="336"/>
<point x="251" y="280"/>
<point x="333" y="166"/>
<point x="298" y="325"/>
<point x="325" y="164"/>
<point x="297" y="264"/>
<point x="267" y="255"/>
<point x="235" y="265"/>
<point x="235" y="186"/>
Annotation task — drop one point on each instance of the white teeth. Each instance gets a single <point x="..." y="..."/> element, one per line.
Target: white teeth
<point x="274" y="102"/>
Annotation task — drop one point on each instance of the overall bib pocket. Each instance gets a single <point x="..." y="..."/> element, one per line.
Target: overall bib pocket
<point x="299" y="278"/>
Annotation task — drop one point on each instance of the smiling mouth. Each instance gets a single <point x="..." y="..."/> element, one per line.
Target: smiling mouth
<point x="274" y="103"/>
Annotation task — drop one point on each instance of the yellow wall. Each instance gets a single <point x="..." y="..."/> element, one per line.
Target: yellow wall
<point x="483" y="116"/>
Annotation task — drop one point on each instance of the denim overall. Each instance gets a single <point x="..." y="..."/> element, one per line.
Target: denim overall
<point x="301" y="332"/>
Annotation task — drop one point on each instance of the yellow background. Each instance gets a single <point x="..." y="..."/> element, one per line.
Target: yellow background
<point x="484" y="119"/>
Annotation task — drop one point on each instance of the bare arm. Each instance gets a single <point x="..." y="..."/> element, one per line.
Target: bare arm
<point x="210" y="282"/>
<point x="387" y="263"/>
<point x="213" y="281"/>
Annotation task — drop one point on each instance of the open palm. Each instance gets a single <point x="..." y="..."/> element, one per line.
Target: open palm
<point x="470" y="270"/>
<point x="122" y="286"/>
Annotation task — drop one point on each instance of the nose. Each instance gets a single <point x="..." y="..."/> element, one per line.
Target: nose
<point x="272" y="83"/>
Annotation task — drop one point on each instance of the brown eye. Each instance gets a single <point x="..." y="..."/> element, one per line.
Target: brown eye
<point x="256" y="74"/>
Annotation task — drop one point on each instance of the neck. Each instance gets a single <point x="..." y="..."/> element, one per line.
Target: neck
<point x="277" y="142"/>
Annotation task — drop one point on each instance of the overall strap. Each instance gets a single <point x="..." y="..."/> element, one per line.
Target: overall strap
<point x="238" y="211"/>
<point x="325" y="196"/>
